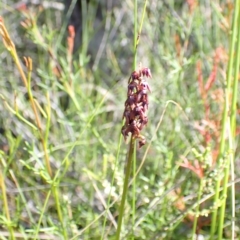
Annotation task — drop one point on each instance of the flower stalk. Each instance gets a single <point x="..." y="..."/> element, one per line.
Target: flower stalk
<point x="135" y="116"/>
<point x="136" y="105"/>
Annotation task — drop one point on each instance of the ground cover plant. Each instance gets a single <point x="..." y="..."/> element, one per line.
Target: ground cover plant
<point x="79" y="157"/>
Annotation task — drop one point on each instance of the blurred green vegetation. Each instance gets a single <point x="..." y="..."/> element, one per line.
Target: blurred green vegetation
<point x="181" y="42"/>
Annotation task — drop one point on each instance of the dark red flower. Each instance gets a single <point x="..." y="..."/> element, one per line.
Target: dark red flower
<point x="136" y="105"/>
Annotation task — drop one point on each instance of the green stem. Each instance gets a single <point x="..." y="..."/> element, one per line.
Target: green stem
<point x="230" y="161"/>
<point x="235" y="80"/>
<point x="232" y="131"/>
<point x="225" y="113"/>
<point x="225" y="187"/>
<point x="125" y="187"/>
<point x="135" y="38"/>
<point x="134" y="190"/>
<point x="135" y="42"/>
<point x="132" y="148"/>
<point x="141" y="23"/>
<point x="197" y="209"/>
<point x="233" y="118"/>
<point x="42" y="214"/>
<point x="5" y="205"/>
<point x="59" y="210"/>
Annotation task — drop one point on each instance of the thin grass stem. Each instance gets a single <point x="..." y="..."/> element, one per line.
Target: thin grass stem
<point x="42" y="214"/>
<point x="134" y="190"/>
<point x="135" y="38"/>
<point x="141" y="24"/>
<point x="225" y="113"/>
<point x="5" y="205"/>
<point x="232" y="134"/>
<point x="194" y="230"/>
<point x="225" y="187"/>
<point x="135" y="41"/>
<point x="232" y="141"/>
<point x="236" y="78"/>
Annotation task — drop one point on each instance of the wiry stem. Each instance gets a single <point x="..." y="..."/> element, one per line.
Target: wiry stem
<point x="225" y="121"/>
<point x="135" y="116"/>
<point x="133" y="144"/>
<point x="5" y="205"/>
<point x="125" y="188"/>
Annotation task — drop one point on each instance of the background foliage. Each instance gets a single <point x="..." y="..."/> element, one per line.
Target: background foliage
<point x="80" y="100"/>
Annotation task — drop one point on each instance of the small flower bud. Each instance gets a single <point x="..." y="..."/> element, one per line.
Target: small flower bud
<point x="146" y="72"/>
<point x="135" y="75"/>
